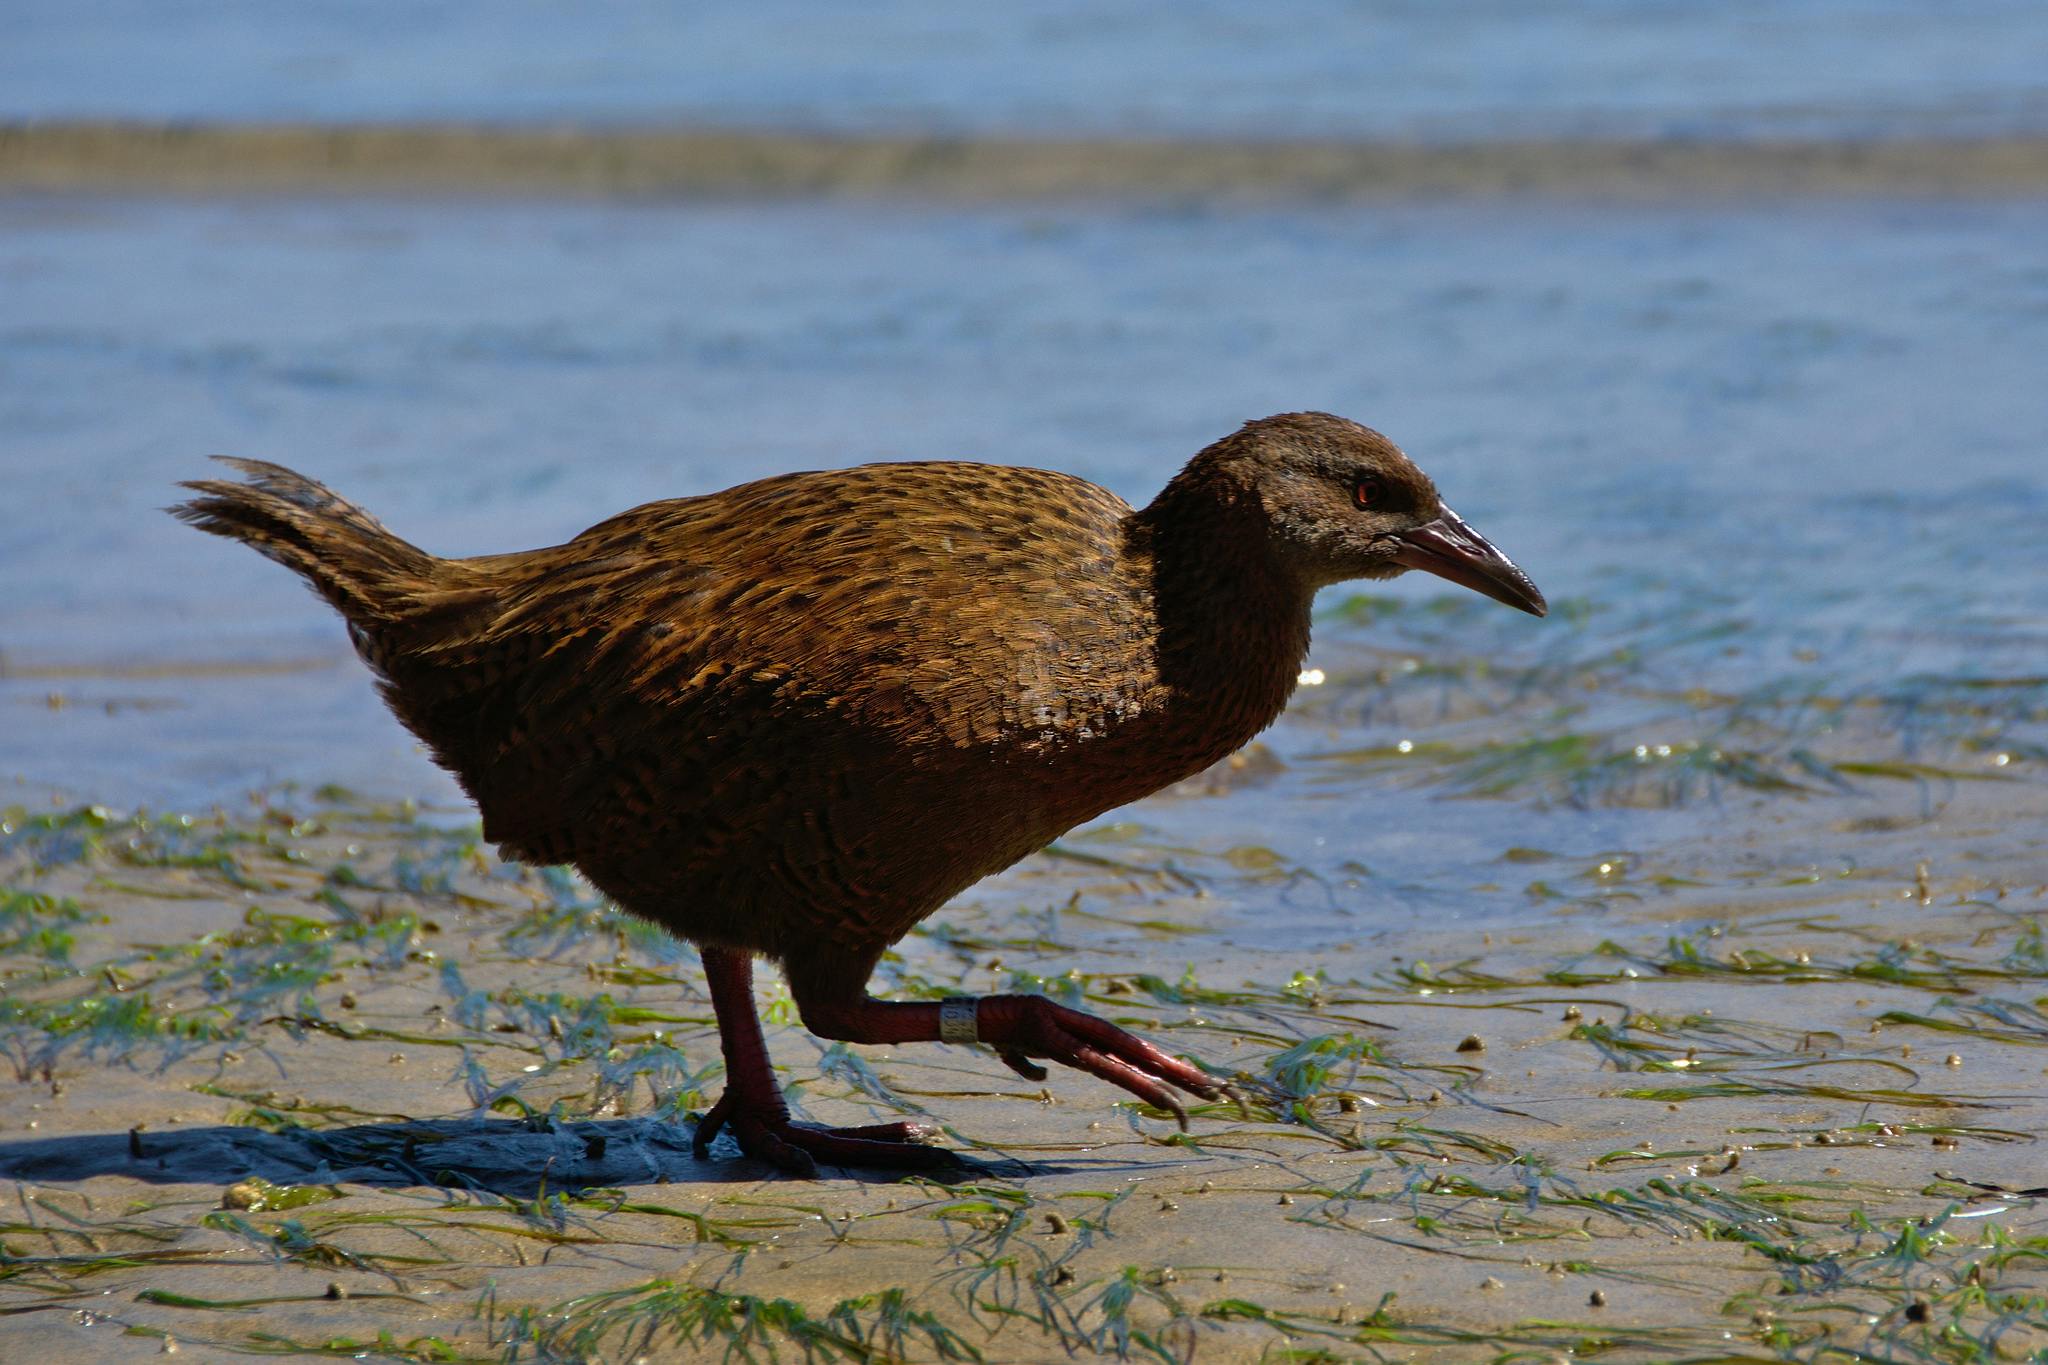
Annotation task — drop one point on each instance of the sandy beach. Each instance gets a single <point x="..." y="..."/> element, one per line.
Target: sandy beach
<point x="323" y="1077"/>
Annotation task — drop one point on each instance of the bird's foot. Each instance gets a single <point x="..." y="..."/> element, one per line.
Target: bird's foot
<point x="1020" y="1027"/>
<point x="765" y="1131"/>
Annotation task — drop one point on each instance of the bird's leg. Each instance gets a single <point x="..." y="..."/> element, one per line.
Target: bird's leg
<point x="752" y="1105"/>
<point x="1018" y="1027"/>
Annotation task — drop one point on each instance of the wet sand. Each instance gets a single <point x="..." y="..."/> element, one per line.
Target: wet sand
<point x="456" y="158"/>
<point x="320" y="1076"/>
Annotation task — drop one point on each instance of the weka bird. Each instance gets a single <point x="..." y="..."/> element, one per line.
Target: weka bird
<point x="794" y="718"/>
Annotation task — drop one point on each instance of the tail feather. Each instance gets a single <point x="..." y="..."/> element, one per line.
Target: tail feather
<point x="367" y="573"/>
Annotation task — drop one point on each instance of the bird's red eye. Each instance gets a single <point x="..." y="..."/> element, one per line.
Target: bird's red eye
<point x="1366" y="491"/>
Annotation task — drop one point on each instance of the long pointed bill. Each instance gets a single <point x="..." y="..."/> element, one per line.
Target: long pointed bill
<point x="1448" y="548"/>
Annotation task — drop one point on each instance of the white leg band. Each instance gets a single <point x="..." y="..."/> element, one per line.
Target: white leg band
<point x="956" y="1019"/>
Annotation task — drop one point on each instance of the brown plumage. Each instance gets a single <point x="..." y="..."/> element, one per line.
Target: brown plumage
<point x="795" y="717"/>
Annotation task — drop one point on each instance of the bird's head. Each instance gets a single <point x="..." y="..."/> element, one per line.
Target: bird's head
<point x="1340" y="501"/>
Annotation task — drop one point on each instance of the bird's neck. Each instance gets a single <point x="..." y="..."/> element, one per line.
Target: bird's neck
<point x="1233" y="624"/>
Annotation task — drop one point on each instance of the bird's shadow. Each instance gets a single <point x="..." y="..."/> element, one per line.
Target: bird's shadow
<point x="513" y="1158"/>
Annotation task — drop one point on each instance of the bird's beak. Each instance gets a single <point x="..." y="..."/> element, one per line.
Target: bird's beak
<point x="1450" y="549"/>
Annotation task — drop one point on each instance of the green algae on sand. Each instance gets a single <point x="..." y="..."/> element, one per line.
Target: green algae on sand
<point x="332" y="1080"/>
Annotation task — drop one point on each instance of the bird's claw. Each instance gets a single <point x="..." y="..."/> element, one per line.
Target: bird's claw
<point x="767" y="1133"/>
<point x="1020" y="1027"/>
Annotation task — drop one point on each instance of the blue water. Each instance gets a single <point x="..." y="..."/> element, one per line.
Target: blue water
<point x="1474" y="68"/>
<point x="1762" y="451"/>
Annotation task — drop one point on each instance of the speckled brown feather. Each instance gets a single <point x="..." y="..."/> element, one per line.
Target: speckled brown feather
<point x="796" y="716"/>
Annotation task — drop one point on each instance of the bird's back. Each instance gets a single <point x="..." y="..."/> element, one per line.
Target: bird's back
<point x="842" y="687"/>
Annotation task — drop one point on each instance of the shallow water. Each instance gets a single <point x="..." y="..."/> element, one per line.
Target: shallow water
<point x="1482" y="68"/>
<point x="1779" y="464"/>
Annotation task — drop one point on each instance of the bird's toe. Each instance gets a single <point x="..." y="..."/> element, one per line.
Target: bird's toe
<point x="768" y="1134"/>
<point x="1032" y="1026"/>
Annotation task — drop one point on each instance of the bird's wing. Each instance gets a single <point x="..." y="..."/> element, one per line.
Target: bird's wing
<point x="666" y="653"/>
